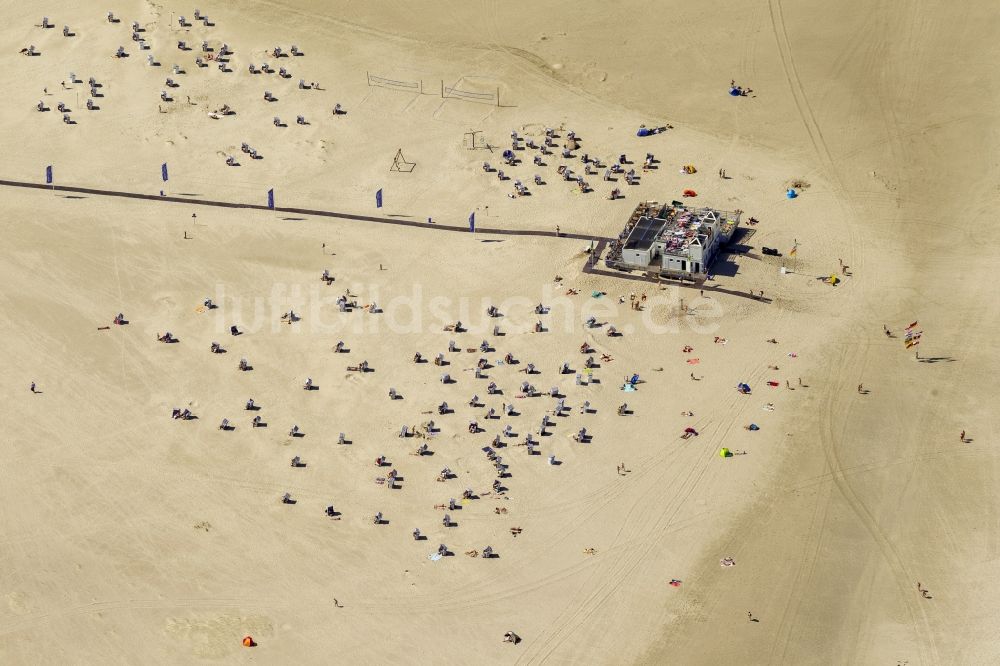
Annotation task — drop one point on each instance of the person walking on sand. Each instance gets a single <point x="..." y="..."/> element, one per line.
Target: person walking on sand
<point x="34" y="391"/>
<point x="558" y="233"/>
<point x="861" y="388"/>
<point x="961" y="436"/>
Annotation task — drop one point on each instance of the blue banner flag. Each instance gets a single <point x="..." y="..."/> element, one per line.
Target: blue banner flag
<point x="48" y="175"/>
<point x="472" y="222"/>
<point x="270" y="199"/>
<point x="163" y="172"/>
<point x="378" y="198"/>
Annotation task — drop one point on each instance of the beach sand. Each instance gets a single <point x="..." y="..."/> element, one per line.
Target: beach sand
<point x="132" y="537"/>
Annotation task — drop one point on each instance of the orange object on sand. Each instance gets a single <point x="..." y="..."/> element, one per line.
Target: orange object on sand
<point x="248" y="641"/>
<point x="690" y="193"/>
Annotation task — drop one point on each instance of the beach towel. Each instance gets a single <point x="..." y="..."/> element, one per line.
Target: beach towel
<point x="434" y="557"/>
<point x="694" y="361"/>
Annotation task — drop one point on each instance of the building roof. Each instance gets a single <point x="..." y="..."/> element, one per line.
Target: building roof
<point x="644" y="233"/>
<point x="674" y="229"/>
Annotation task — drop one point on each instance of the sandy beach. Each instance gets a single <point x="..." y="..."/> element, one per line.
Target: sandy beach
<point x="854" y="519"/>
